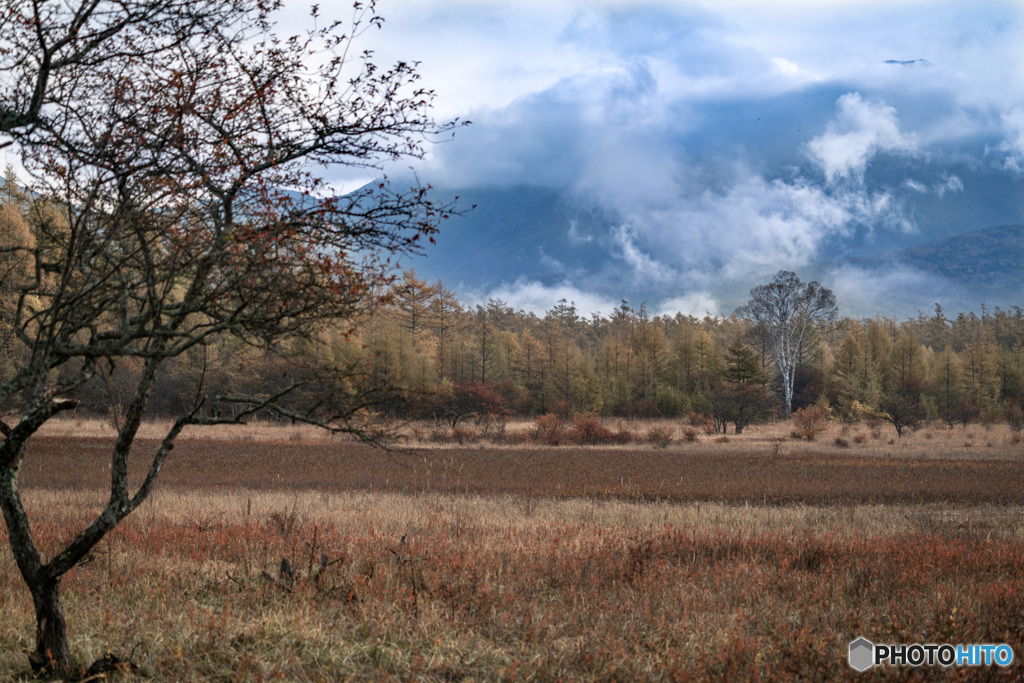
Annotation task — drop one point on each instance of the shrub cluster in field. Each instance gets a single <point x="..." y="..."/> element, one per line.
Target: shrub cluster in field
<point x="809" y="422"/>
<point x="589" y="429"/>
<point x="439" y="587"/>
<point x="551" y="429"/>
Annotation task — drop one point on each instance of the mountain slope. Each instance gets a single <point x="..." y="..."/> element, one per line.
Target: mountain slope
<point x="503" y="234"/>
<point x="990" y="259"/>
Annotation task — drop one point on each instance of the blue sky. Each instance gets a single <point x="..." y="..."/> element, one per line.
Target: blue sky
<point x="731" y="138"/>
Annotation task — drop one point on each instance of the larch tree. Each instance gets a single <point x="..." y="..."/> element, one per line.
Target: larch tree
<point x="648" y="342"/>
<point x="707" y="367"/>
<point x="848" y="372"/>
<point x="181" y="139"/>
<point x="947" y="374"/>
<point x="906" y="379"/>
<point x="412" y="298"/>
<point x="683" y="355"/>
<point x="532" y="370"/>
<point x="445" y="311"/>
<point x="786" y="310"/>
<point x="907" y="370"/>
<point x="486" y="348"/>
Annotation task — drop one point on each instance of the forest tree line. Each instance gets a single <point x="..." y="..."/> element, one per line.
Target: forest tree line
<point x="425" y="353"/>
<point x="633" y="363"/>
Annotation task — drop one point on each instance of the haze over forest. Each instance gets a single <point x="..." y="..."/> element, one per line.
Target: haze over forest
<point x="679" y="153"/>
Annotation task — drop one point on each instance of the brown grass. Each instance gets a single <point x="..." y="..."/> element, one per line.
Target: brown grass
<point x="488" y="588"/>
<point x="932" y="440"/>
<point x="711" y="471"/>
<point x="534" y="563"/>
<point x="155" y="429"/>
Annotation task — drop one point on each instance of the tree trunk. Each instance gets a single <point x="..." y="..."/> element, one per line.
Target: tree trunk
<point x="788" y="394"/>
<point x="52" y="653"/>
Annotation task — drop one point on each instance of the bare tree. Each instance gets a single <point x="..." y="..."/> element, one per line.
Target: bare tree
<point x="181" y="139"/>
<point x="784" y="311"/>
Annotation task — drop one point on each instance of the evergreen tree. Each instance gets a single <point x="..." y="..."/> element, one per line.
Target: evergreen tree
<point x="742" y="366"/>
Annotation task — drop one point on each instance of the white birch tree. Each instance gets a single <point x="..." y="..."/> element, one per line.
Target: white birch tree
<point x="785" y="310"/>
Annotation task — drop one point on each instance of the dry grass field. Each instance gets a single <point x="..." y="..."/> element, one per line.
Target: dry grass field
<point x="972" y="466"/>
<point x="708" y="560"/>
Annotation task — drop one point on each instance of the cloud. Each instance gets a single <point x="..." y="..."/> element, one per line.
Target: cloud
<point x="576" y="237"/>
<point x="752" y="226"/>
<point x="792" y="71"/>
<point x="949" y="183"/>
<point x="604" y="123"/>
<point x="889" y="289"/>
<point x="645" y="268"/>
<point x="697" y="304"/>
<point x="1013" y="144"/>
<point x="536" y="297"/>
<point x="785" y="67"/>
<point x="550" y="262"/>
<point x="531" y="142"/>
<point x="859" y="132"/>
<point x="908" y="62"/>
<point x="725" y="140"/>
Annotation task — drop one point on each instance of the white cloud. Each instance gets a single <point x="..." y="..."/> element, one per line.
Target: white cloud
<point x="792" y="72"/>
<point x="1013" y="144"/>
<point x="755" y="226"/>
<point x="478" y="54"/>
<point x="721" y="158"/>
<point x="860" y="131"/>
<point x="577" y="238"/>
<point x="950" y="183"/>
<point x="550" y="262"/>
<point x="645" y="268"/>
<point x="887" y="290"/>
<point x="697" y="304"/>
<point x="536" y="297"/>
<point x="785" y="67"/>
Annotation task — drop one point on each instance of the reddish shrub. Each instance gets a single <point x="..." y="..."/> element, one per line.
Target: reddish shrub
<point x="587" y="429"/>
<point x="623" y="434"/>
<point x="703" y="422"/>
<point x="492" y="428"/>
<point x="455" y="402"/>
<point x="549" y="429"/>
<point x="809" y="422"/>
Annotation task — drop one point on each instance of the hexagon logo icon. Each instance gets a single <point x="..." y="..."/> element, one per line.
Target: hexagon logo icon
<point x="862" y="654"/>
